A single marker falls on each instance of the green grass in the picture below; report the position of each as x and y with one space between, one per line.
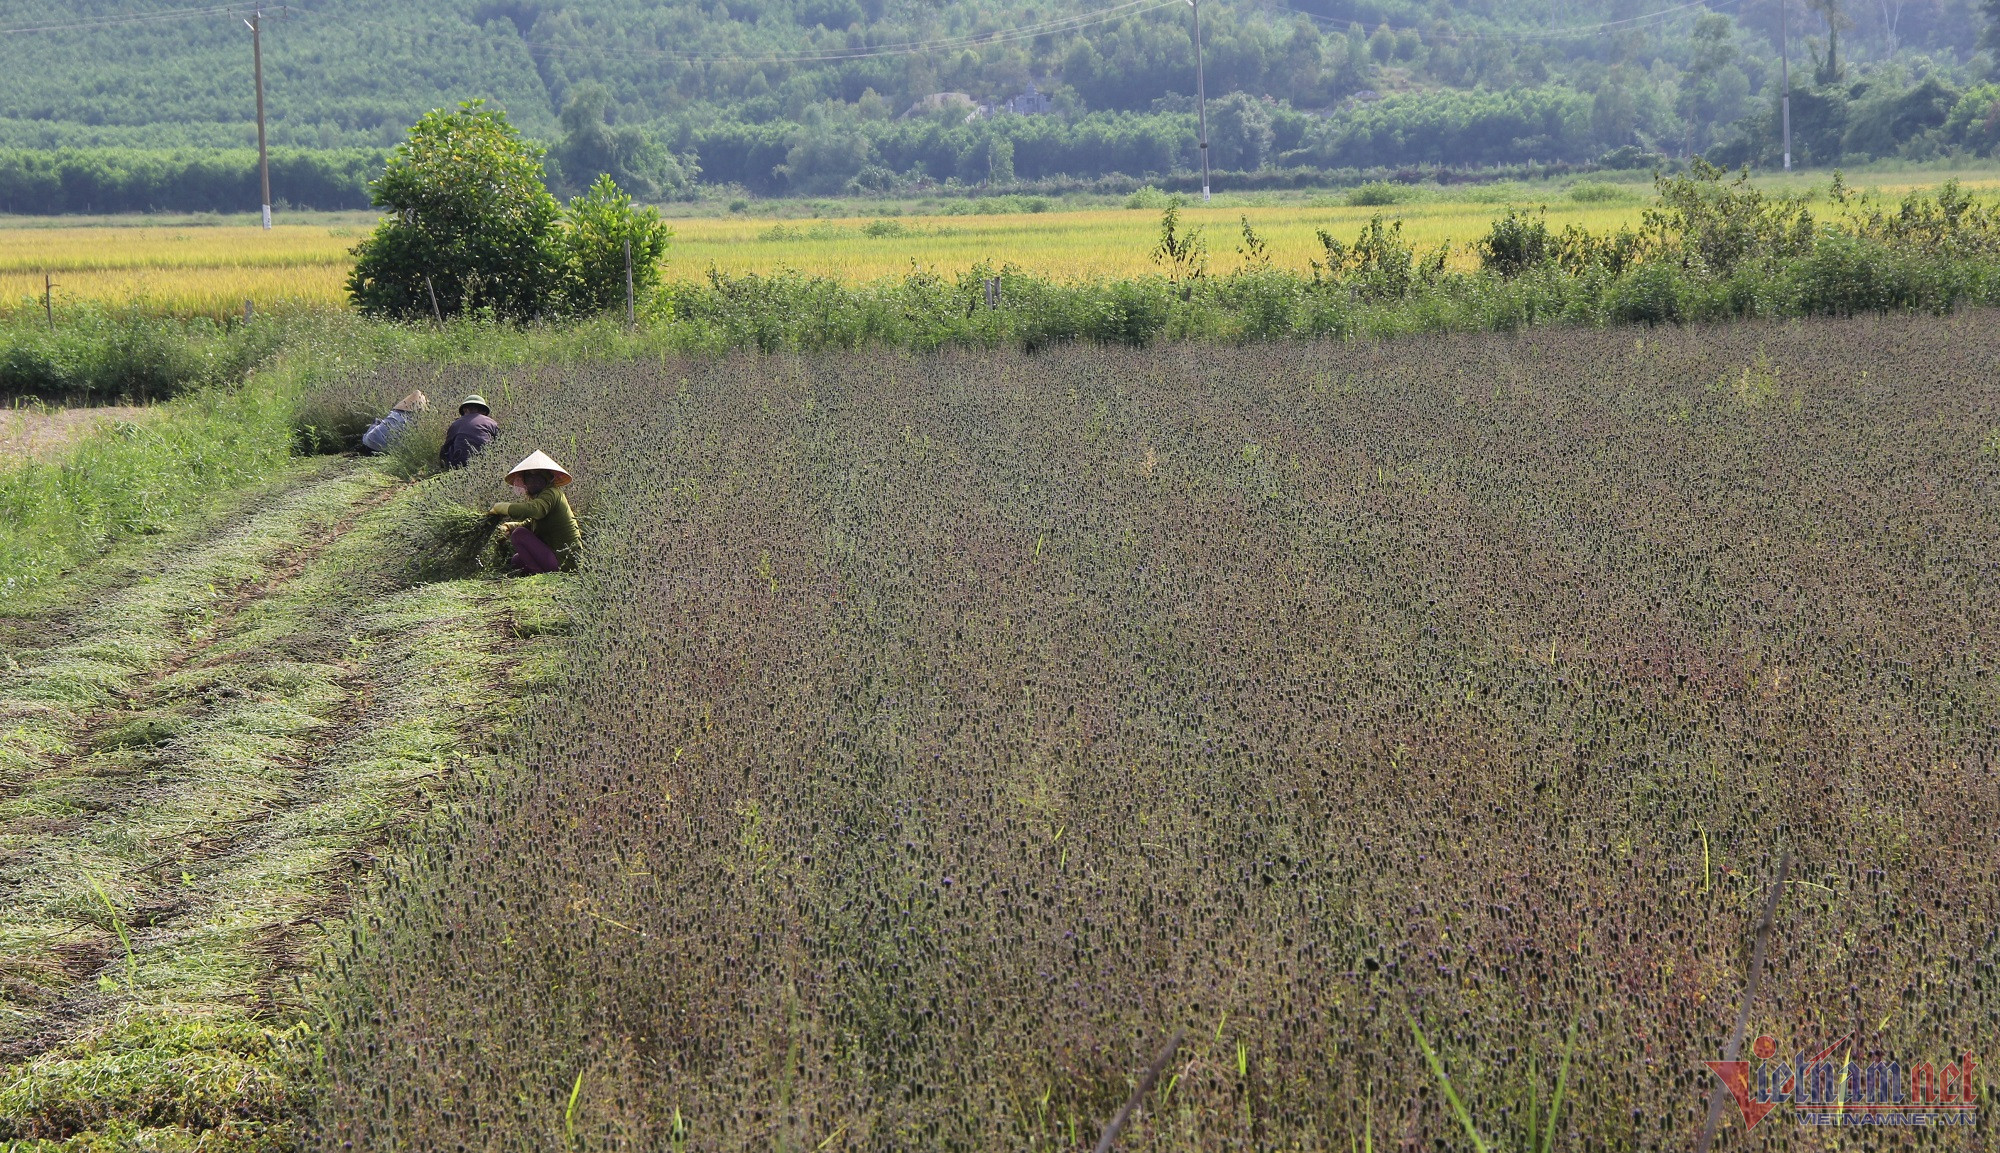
1537 1140
135 480
194 777
209 455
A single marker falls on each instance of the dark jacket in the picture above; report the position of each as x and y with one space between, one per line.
549 518
468 434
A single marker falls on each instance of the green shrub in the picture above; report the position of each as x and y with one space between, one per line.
1600 192
1377 195
1845 275
598 227
1130 312
1650 294
95 356
470 225
1516 243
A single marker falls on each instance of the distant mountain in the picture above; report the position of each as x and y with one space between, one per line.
735 87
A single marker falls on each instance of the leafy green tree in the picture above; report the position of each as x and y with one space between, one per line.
1302 60
1000 160
1827 69
1894 116
1614 111
1359 67
596 228
1382 45
823 158
468 219
592 146
1715 88
1240 131
1974 122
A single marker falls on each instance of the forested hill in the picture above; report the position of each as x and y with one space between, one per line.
814 95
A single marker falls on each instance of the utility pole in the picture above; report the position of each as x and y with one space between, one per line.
1201 98
256 23
1785 79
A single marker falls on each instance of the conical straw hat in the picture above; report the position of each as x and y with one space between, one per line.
415 402
539 459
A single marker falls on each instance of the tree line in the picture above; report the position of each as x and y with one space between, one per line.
1448 102
113 180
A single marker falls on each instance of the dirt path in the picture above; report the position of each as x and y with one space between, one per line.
36 433
193 775
24 633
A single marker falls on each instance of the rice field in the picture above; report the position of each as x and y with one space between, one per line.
1071 245
210 265
213 268
187 267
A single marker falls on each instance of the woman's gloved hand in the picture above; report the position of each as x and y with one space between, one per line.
499 509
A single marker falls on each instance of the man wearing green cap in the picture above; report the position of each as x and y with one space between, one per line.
474 429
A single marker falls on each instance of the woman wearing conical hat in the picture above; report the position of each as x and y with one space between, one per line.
546 539
384 432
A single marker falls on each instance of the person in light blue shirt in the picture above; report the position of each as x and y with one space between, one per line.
384 432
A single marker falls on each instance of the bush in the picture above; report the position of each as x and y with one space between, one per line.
1650 294
1377 195
1131 313
100 357
1600 192
470 225
598 227
473 229
1515 244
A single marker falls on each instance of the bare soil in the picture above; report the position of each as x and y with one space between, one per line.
35 433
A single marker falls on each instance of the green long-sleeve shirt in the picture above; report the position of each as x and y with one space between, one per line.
550 518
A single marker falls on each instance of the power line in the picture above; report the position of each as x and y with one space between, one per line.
906 48
145 18
1607 27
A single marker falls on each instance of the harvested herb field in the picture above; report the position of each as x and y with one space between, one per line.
941 734
199 758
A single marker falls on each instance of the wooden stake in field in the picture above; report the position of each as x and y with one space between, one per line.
1735 1048
248 310
49 299
631 312
437 313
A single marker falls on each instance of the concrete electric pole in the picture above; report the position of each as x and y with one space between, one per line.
256 23
1201 98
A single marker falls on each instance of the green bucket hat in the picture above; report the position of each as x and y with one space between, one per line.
475 401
